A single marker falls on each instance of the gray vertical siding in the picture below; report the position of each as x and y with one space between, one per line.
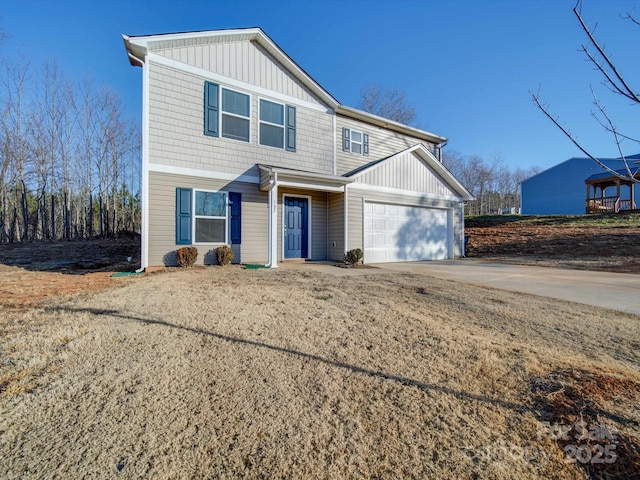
382 143
244 61
407 172
176 131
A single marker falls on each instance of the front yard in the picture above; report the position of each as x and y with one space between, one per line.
231 373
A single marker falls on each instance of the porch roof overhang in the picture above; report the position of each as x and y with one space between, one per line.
607 179
287 177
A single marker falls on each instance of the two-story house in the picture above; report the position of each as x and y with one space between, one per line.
241 146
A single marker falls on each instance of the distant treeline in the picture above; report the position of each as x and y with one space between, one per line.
495 186
69 157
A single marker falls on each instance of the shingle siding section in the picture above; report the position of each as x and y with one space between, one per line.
176 131
382 143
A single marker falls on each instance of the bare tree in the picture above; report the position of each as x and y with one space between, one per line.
495 186
388 103
615 82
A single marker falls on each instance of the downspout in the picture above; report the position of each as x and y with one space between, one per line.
273 221
144 184
440 147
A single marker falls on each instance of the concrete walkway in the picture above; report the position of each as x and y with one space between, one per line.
617 291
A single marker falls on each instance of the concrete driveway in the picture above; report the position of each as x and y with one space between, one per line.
618 291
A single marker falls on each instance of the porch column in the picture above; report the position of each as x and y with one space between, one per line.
273 223
588 205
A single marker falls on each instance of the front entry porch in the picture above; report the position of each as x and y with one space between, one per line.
299 193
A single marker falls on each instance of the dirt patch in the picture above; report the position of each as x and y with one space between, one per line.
588 243
36 272
580 407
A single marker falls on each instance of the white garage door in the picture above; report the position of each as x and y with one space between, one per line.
395 233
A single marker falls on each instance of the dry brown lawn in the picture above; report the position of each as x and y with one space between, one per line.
231 373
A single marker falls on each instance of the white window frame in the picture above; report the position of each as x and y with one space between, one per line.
361 142
196 216
222 113
284 121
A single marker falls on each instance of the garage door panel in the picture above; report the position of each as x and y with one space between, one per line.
394 233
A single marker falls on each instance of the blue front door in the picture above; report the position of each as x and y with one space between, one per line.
296 240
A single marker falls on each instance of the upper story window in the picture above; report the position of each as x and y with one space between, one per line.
277 125
355 141
234 114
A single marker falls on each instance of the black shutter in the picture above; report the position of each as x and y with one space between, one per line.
211 109
365 144
346 144
290 132
235 199
183 216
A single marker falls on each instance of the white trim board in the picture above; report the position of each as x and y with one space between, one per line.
408 193
224 80
194 172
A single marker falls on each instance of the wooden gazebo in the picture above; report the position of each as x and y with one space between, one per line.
599 200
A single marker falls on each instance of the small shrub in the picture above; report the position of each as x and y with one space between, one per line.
186 256
353 257
225 255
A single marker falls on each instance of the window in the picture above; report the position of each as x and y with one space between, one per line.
355 141
210 214
271 124
230 109
235 115
214 222
274 117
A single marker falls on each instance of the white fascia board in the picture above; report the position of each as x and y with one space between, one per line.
228 81
144 40
297 174
399 191
430 160
194 172
310 186
390 124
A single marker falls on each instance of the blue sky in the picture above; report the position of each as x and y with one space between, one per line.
467 65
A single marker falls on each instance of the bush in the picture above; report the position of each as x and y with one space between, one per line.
225 255
353 257
186 256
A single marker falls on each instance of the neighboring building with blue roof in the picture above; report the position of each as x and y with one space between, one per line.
561 189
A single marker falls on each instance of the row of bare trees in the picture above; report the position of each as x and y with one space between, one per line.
69 157
495 186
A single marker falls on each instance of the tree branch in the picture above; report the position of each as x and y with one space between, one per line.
544 109
621 85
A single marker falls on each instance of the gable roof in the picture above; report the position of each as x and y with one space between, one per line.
427 158
614 163
389 124
138 47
